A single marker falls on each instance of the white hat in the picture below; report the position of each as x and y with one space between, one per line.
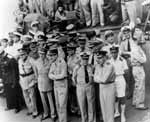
34 23
125 28
17 33
40 33
70 27
26 36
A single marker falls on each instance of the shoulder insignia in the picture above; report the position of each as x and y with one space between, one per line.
120 58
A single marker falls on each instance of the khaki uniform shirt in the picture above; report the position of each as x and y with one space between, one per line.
25 67
42 68
79 75
58 73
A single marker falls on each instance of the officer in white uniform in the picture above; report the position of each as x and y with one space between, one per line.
120 65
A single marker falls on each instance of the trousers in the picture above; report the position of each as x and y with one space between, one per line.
61 96
85 11
44 95
30 100
86 94
139 88
129 9
48 7
97 12
107 101
34 6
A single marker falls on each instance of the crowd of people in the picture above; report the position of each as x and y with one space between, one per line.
84 73
81 13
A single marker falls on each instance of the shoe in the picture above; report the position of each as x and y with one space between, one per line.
142 108
28 113
7 109
34 116
54 118
116 115
17 111
44 118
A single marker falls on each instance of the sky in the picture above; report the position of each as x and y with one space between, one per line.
7 22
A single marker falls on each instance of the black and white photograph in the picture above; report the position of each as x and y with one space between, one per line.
74 60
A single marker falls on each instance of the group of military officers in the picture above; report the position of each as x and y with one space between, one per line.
71 69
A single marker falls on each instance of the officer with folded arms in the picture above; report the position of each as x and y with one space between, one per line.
58 73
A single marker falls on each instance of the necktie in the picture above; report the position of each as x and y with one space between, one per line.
92 62
86 74
129 46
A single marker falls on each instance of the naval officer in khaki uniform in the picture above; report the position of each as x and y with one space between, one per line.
83 78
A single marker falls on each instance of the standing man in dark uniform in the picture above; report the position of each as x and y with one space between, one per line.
10 76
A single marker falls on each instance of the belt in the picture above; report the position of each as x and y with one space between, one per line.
27 74
128 0
106 83
62 79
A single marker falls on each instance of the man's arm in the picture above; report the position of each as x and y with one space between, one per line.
63 73
96 74
74 76
51 72
109 74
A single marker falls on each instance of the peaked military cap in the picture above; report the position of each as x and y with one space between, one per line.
114 48
108 33
84 55
17 34
34 23
101 53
